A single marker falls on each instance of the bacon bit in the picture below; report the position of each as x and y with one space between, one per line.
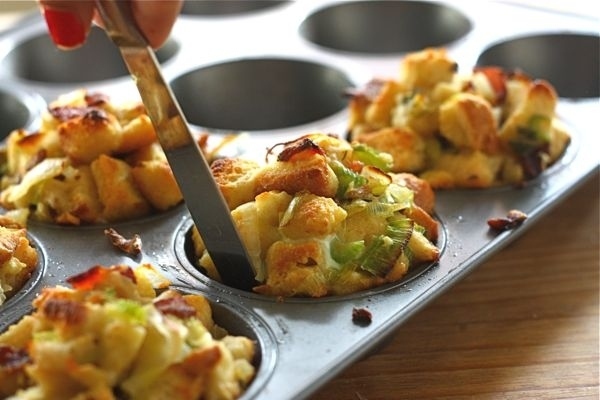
298 147
533 162
67 113
369 92
65 310
89 279
497 78
361 316
95 99
131 246
176 306
514 218
126 271
12 358
95 115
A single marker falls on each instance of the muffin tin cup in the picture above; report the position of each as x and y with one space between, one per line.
239 321
229 65
19 303
185 255
19 108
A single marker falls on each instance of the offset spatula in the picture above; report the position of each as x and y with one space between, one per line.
202 196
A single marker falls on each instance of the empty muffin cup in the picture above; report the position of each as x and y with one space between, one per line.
569 61
384 27
230 7
18 109
260 94
37 59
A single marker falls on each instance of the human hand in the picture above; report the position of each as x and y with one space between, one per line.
69 21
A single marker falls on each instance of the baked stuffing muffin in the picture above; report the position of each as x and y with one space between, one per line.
91 161
485 128
111 336
18 257
325 218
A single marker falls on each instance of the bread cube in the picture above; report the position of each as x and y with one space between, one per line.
73 199
311 174
95 127
309 216
529 126
424 69
405 146
235 177
469 169
120 198
295 269
468 122
136 134
156 182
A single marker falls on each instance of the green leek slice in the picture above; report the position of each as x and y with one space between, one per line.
347 179
533 136
379 257
370 156
346 252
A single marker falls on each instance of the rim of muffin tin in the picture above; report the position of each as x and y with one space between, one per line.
24 107
184 253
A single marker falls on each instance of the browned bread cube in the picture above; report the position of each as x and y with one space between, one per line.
120 197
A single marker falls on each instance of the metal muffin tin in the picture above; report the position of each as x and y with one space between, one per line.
277 70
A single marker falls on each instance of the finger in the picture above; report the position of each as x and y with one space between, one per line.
68 21
155 18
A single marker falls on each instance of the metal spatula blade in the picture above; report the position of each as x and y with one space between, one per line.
202 196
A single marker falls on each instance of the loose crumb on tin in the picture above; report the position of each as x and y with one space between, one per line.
132 246
361 316
513 219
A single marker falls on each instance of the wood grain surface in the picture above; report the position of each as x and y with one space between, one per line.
523 325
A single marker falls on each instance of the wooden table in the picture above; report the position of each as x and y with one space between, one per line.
523 325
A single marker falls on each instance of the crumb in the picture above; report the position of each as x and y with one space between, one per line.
131 246
361 316
513 219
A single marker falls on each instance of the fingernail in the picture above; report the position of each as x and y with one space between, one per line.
65 28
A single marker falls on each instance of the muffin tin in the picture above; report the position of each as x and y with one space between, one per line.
275 70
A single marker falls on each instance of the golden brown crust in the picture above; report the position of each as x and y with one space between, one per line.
117 191
82 129
18 258
467 121
320 223
150 175
84 138
307 174
482 128
406 147
295 269
313 217
111 334
236 179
